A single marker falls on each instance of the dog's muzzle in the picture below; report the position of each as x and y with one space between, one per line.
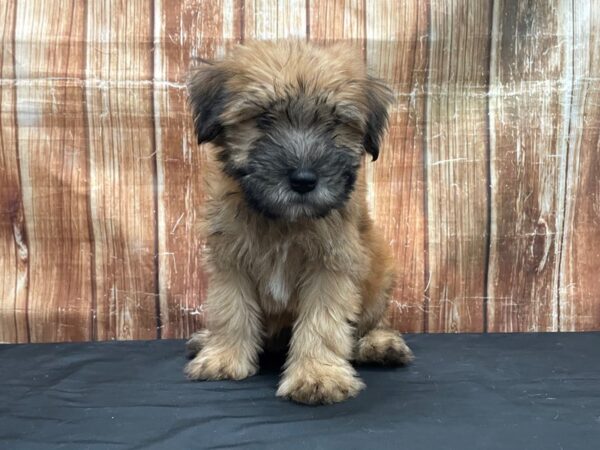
303 180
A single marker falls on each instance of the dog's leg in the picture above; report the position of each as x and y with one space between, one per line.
232 341
317 369
377 342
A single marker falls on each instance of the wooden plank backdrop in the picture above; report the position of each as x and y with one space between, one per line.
487 187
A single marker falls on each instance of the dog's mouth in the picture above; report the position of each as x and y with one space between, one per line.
282 203
306 208
295 207
302 191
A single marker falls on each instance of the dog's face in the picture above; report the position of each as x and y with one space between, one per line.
290 122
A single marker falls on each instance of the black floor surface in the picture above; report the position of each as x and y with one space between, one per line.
520 391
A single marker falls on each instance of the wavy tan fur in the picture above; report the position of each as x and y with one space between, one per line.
329 278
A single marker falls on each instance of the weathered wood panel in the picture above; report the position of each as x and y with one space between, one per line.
530 87
53 168
456 155
193 30
486 186
119 67
396 39
13 237
338 20
580 274
275 19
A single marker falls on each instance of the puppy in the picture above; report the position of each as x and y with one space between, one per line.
290 243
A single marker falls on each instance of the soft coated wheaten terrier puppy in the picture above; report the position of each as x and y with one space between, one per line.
289 237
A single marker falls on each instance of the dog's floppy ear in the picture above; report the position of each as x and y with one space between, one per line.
379 99
207 96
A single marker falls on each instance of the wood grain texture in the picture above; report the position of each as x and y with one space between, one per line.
397 52
486 187
13 236
119 67
275 19
580 267
457 163
193 30
53 167
338 20
530 88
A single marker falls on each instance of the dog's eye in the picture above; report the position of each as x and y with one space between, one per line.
265 120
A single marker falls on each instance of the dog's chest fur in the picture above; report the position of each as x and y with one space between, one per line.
279 258
277 275
279 283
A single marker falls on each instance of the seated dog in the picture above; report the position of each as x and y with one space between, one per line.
290 243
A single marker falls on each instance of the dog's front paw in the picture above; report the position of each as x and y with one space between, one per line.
211 364
383 346
320 384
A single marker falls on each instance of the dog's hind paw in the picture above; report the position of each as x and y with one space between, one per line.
383 346
196 342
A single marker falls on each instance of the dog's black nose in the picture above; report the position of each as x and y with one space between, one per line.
303 180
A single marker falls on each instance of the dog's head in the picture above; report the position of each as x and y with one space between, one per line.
290 122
